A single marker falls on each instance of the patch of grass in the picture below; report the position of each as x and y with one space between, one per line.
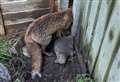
17 64
83 78
4 44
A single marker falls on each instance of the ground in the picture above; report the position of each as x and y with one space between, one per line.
20 68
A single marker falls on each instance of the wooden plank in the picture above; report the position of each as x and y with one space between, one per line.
78 7
95 7
2 30
17 26
76 15
99 33
17 30
52 5
17 22
86 14
85 17
11 1
29 13
21 6
110 45
114 75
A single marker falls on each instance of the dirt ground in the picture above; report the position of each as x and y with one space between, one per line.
20 68
54 72
51 72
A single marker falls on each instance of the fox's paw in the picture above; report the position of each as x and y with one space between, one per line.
36 73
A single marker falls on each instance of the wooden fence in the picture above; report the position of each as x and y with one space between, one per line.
17 14
99 24
96 22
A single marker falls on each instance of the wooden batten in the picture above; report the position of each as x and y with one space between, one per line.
2 29
52 6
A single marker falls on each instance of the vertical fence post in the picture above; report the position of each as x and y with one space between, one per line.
77 10
52 6
63 5
2 29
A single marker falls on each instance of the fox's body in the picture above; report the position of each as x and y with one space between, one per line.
40 32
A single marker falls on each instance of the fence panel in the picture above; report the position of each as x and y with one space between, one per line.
18 14
114 74
100 30
110 46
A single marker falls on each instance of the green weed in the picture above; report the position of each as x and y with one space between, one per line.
83 78
4 53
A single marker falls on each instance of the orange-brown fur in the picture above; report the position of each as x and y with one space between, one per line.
41 30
